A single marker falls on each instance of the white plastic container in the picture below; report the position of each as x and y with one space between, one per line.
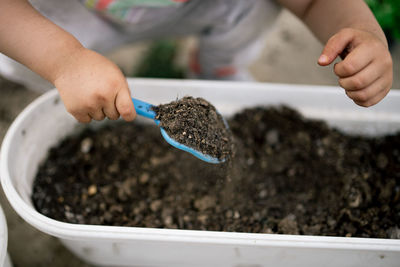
43 123
4 257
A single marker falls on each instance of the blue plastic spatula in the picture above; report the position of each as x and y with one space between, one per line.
145 109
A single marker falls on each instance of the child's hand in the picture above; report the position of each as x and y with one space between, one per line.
366 72
92 87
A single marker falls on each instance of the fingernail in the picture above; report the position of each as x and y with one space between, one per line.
323 59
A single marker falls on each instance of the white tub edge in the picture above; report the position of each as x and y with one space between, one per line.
69 231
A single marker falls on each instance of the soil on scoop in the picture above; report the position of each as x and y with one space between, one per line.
292 176
196 123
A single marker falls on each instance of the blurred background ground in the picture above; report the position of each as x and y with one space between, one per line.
289 56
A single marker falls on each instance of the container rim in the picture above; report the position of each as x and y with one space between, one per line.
77 231
3 236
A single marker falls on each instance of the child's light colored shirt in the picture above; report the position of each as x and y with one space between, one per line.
133 11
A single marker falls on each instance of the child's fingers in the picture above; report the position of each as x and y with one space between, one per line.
82 117
335 46
124 105
370 95
110 111
354 62
360 80
376 99
97 114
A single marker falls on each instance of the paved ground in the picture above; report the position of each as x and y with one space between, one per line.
289 56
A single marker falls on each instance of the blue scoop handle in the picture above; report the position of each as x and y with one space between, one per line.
144 109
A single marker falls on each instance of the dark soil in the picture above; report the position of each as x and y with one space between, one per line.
196 123
292 176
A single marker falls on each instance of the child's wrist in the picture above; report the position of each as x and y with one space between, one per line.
68 56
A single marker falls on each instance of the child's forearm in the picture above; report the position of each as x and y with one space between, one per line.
31 39
91 86
327 17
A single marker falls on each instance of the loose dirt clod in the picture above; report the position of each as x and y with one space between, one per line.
292 176
196 123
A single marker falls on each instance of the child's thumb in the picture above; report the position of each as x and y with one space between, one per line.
124 105
334 47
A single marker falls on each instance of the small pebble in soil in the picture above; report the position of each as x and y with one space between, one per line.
86 145
196 123
92 190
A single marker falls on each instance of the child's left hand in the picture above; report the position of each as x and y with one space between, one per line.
366 72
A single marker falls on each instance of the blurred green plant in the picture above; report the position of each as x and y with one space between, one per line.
159 61
387 13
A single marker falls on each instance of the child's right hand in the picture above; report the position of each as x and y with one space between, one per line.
92 87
